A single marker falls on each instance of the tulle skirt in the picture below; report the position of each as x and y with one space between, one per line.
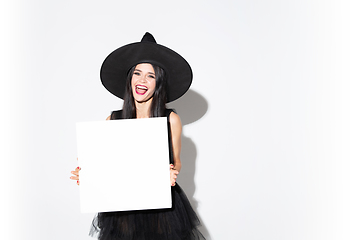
177 223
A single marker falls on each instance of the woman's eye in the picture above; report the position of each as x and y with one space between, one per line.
137 73
151 76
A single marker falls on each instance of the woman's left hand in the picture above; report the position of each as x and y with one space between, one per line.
173 175
76 175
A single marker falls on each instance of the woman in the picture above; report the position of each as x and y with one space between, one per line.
146 76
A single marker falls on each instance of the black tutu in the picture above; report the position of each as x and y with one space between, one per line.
177 223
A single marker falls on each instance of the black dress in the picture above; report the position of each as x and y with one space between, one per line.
177 223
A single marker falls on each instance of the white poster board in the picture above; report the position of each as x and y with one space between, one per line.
124 165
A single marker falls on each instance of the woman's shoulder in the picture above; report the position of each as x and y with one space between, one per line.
168 111
174 118
116 114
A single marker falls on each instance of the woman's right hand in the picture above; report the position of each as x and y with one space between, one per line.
76 175
173 175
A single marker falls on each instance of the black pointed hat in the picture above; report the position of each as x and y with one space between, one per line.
116 66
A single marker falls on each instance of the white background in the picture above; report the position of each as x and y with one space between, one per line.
271 124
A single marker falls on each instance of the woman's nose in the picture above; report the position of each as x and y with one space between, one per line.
143 79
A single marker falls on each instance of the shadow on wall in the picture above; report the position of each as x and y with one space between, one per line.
191 107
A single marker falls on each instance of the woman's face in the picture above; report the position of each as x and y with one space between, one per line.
143 82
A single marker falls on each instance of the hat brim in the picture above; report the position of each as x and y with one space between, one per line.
116 66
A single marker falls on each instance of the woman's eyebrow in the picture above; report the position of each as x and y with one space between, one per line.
141 71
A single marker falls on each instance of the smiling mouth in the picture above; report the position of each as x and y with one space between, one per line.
141 89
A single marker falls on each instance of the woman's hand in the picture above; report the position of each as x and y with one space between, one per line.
173 175
76 173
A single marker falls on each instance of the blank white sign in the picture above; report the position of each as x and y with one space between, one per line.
124 165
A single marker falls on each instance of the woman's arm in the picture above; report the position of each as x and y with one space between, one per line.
176 129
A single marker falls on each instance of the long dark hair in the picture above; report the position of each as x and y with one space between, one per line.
157 108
